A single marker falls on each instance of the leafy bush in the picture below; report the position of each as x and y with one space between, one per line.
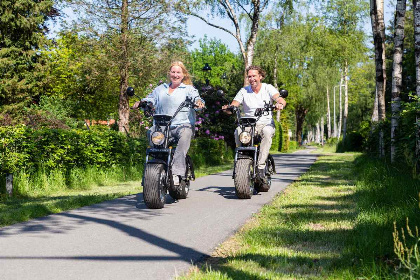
50 149
352 143
209 152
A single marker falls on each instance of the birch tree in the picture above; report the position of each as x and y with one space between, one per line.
234 11
378 30
124 20
399 22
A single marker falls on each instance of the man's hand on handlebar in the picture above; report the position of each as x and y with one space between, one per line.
279 106
228 109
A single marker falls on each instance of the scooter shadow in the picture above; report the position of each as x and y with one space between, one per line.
225 192
141 205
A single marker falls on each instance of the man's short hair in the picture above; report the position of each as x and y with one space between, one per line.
259 69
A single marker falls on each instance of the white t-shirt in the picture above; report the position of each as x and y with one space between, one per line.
251 100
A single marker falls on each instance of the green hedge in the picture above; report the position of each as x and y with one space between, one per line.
209 152
25 148
36 156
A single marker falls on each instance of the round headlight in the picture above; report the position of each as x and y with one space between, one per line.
157 138
245 137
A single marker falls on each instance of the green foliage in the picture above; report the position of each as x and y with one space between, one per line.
221 60
385 194
407 249
51 149
353 142
209 152
405 140
22 66
13 143
278 139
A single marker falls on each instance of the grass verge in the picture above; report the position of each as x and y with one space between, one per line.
333 223
92 188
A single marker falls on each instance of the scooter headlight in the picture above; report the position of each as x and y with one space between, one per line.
157 138
245 137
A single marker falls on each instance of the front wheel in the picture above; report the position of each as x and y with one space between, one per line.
154 191
244 183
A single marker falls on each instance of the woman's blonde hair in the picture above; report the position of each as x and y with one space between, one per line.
187 79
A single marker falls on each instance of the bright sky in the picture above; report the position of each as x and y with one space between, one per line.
198 28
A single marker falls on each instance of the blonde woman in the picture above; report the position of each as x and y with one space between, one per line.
166 98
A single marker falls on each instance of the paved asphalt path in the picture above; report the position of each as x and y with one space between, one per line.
122 239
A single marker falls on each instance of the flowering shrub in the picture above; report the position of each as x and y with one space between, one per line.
212 123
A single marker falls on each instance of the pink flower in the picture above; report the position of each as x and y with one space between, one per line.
196 129
207 132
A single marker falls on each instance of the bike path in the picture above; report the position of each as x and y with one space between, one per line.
122 239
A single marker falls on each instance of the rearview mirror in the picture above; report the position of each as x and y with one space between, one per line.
130 91
284 93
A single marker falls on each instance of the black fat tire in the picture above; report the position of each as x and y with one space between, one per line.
154 186
244 184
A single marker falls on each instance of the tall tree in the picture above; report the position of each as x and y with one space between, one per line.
235 10
397 70
345 18
22 30
124 20
378 30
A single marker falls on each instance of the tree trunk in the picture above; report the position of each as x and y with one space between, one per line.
250 45
318 133
328 115
275 81
378 30
123 108
416 8
300 118
322 130
340 120
346 99
335 117
399 23
375 108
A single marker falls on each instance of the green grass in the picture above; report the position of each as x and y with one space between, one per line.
336 222
45 194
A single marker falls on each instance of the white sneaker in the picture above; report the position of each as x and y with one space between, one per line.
176 180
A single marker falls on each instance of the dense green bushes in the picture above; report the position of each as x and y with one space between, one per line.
209 152
47 160
29 149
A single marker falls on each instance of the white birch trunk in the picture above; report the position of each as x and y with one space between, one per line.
399 23
335 117
328 115
322 130
346 100
340 120
318 133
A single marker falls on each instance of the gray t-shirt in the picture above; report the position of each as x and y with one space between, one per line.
251 100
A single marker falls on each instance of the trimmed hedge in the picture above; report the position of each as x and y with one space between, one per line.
25 148
72 154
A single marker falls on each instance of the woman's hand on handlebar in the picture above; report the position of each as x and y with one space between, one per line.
199 104
136 105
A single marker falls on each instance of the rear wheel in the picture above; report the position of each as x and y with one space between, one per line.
182 190
154 191
244 183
